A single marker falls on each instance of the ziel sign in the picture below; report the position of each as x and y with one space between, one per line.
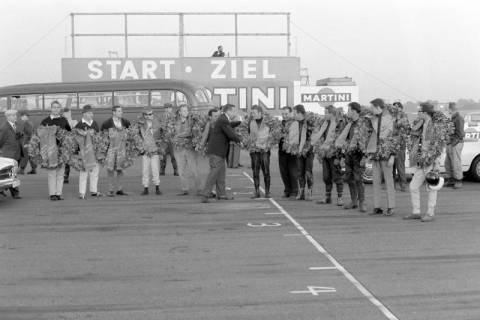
267 81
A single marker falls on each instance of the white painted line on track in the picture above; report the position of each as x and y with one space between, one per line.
386 312
322 268
273 213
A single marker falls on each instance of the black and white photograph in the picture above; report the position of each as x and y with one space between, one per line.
240 160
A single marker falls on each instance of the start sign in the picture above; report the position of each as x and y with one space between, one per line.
267 81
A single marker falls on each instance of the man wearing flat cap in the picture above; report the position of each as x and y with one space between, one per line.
149 129
11 143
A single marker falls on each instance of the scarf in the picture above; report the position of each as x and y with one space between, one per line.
297 138
330 135
318 134
342 138
149 144
426 133
87 153
48 146
259 135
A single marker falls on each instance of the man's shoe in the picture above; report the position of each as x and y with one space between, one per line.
111 194
212 195
267 195
286 195
183 193
225 198
158 192
449 183
389 212
351 205
205 199
81 196
175 173
32 172
59 197
144 192
65 181
53 198
256 195
327 200
458 184
96 194
121 193
376 211
412 216
362 206
16 196
427 218
340 202
162 173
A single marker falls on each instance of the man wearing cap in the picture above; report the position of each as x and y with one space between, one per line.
453 160
56 175
149 129
11 143
387 124
25 126
114 126
429 136
170 151
88 126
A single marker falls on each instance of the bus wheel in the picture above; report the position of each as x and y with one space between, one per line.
475 169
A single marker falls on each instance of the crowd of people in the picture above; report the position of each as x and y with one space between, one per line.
343 143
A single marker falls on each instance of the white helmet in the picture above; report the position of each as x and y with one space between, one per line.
434 181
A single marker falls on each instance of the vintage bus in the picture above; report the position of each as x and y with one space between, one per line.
132 95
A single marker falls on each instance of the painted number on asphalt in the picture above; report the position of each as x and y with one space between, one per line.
260 225
316 290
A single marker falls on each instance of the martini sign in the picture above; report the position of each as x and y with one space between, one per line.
316 98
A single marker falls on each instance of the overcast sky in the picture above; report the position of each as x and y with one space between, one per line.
405 49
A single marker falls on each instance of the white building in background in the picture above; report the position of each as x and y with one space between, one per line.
329 91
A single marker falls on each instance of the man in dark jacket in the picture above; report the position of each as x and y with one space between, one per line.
287 162
56 176
116 121
170 150
25 126
453 160
217 148
11 143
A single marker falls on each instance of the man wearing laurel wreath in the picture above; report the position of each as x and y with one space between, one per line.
85 129
116 154
259 150
48 135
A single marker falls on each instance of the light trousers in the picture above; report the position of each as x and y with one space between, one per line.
379 168
188 161
150 169
55 180
417 181
453 161
83 177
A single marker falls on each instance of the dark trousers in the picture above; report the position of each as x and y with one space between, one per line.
168 152
332 173
399 167
25 160
261 160
288 171
216 176
66 174
354 176
305 170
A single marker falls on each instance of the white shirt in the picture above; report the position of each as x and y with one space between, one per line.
13 125
117 122
89 123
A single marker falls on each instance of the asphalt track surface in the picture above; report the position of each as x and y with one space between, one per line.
172 257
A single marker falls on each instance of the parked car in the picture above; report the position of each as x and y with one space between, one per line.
8 174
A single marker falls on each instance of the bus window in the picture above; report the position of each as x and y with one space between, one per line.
95 99
181 98
202 96
131 98
3 104
67 100
161 97
26 102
